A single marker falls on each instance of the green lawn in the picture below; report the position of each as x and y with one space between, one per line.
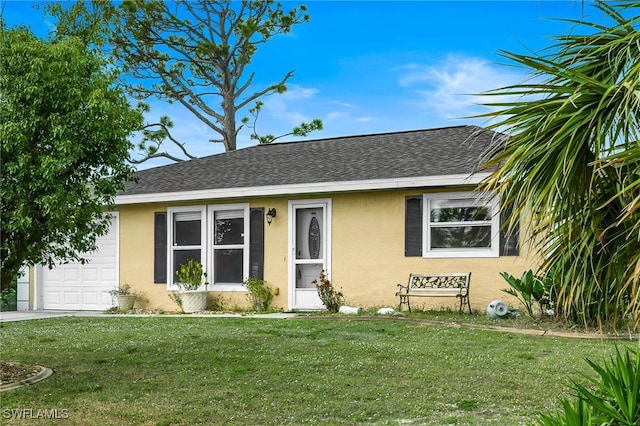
184 370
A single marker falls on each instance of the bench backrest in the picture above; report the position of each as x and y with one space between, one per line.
439 281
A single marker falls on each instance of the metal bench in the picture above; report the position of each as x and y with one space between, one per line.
436 285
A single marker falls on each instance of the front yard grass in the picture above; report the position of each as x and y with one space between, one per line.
197 370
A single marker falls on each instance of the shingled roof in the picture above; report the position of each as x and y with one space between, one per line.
419 153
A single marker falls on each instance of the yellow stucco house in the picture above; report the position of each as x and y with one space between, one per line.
367 209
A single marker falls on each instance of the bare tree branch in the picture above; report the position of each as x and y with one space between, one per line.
156 138
195 53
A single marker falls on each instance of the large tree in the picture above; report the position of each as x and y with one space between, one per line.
571 165
64 132
196 53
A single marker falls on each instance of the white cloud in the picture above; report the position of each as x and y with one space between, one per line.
283 111
277 110
410 66
345 104
451 87
334 115
298 92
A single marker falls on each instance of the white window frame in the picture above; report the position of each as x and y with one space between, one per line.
479 199
212 209
203 240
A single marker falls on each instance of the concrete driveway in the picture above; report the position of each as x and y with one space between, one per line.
33 315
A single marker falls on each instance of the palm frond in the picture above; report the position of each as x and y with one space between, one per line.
572 161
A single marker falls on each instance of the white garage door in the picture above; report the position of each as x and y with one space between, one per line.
74 286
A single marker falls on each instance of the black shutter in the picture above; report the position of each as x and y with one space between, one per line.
413 226
160 248
509 235
256 243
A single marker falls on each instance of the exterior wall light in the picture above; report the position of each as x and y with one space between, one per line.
270 215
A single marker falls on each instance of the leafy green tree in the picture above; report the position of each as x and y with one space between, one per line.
195 53
571 164
64 132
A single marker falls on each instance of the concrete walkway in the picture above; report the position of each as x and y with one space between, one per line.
43 314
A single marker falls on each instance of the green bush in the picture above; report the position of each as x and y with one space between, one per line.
613 397
260 294
8 299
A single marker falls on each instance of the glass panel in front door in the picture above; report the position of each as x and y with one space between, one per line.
306 273
309 234
310 243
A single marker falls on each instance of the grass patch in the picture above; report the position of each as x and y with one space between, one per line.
177 370
521 321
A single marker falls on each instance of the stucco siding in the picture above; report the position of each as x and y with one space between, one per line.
136 255
367 258
369 261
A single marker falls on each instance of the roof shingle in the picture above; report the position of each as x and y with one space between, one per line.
432 152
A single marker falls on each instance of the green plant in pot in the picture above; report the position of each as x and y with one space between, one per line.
125 296
190 277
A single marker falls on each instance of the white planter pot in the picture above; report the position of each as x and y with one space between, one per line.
193 300
126 301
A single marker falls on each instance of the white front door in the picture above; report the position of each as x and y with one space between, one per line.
85 287
310 250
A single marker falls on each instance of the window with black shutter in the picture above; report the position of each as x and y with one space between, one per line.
509 235
228 239
413 226
256 243
160 248
458 224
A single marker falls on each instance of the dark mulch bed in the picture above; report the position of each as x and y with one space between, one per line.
12 372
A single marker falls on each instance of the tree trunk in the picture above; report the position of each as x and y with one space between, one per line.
229 116
6 278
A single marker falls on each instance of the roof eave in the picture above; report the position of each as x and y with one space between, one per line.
303 188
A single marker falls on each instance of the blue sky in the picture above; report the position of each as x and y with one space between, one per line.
380 66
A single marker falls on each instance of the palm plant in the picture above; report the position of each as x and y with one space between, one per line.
529 289
571 162
611 397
